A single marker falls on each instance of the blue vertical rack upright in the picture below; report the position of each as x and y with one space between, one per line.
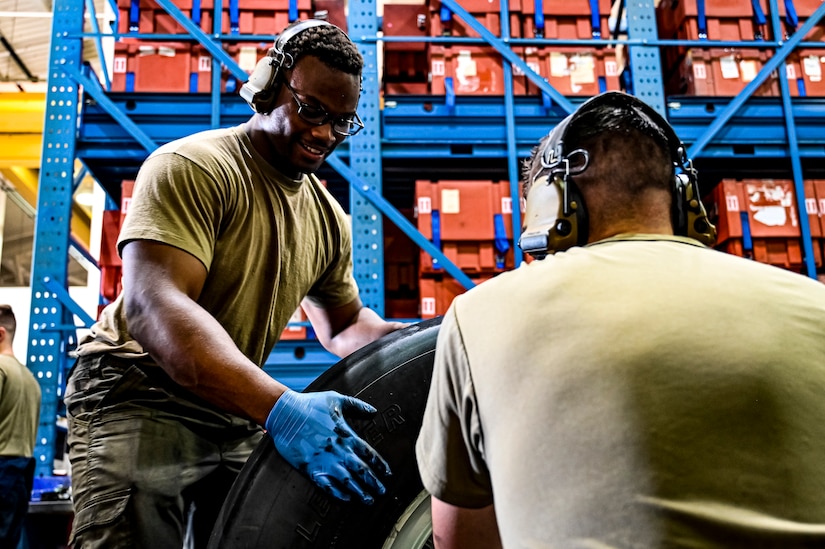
114 129
52 320
365 161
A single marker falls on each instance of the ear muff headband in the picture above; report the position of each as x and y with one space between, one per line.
570 226
262 88
555 218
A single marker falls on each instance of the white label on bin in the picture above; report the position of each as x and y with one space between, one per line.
771 202
119 65
582 70
425 205
466 65
438 67
822 205
611 68
749 70
732 202
730 70
248 58
205 63
166 51
506 205
813 68
810 206
790 71
450 201
427 306
124 205
700 71
558 64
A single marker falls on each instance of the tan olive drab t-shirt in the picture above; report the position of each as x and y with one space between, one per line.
642 391
267 241
19 408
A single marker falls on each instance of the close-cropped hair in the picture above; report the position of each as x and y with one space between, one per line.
532 165
329 44
625 147
7 319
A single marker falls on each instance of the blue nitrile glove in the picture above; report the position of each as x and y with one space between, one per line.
310 432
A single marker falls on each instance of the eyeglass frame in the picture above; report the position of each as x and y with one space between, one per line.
357 122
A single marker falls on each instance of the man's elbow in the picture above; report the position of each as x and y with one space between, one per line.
136 315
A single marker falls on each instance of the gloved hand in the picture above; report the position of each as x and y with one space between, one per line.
310 432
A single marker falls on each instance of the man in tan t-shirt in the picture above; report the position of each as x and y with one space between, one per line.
635 388
19 414
228 232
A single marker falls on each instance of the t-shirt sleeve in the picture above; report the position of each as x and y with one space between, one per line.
177 203
449 448
336 286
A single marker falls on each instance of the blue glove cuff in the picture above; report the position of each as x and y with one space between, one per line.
286 418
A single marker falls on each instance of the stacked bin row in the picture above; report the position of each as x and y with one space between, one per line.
725 71
461 69
185 66
409 67
419 68
759 219
470 222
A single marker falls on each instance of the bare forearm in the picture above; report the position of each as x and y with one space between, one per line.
366 327
198 354
460 527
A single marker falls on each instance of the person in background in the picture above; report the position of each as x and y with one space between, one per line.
19 417
634 388
228 232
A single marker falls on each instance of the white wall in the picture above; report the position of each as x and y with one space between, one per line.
87 296
20 300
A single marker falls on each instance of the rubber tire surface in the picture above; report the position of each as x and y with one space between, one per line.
272 505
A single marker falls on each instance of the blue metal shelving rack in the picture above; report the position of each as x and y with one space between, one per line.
52 321
114 132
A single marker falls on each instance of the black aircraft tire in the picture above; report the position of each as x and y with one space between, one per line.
273 506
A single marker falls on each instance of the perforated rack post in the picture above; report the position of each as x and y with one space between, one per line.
51 319
365 160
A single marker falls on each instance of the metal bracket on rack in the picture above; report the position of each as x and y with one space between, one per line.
645 61
63 297
90 87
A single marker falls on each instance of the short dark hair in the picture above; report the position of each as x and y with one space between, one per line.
330 44
7 319
529 168
626 146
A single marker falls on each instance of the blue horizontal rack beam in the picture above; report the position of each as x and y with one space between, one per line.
464 40
296 363
425 127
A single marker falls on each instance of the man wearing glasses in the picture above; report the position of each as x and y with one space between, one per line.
228 232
